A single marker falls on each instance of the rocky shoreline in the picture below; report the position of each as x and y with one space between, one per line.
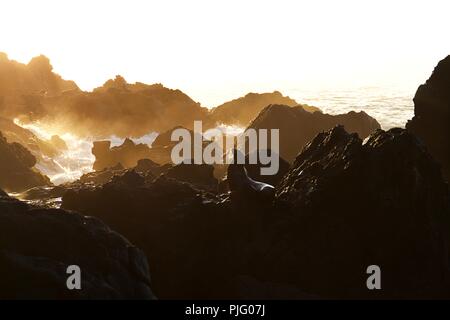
348 195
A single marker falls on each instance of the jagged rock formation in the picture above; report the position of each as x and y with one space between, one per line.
122 109
161 149
164 139
128 154
34 92
102 176
341 207
36 77
162 146
243 110
297 126
431 122
16 168
37 246
23 85
147 165
349 205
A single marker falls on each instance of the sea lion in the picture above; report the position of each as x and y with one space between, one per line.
239 182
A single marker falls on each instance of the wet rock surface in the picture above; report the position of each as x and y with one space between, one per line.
431 122
37 245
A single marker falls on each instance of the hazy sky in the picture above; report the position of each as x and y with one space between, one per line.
215 50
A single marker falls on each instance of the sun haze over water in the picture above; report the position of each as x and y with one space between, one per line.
218 50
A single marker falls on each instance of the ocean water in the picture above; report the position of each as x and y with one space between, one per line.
391 106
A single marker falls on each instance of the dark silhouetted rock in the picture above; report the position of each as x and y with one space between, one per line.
198 244
243 110
145 166
38 245
129 179
102 176
347 206
128 154
297 126
16 168
431 122
165 216
200 175
161 149
341 207
164 139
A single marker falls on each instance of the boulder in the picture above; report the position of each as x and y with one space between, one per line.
16 168
298 126
178 227
128 154
242 111
431 121
38 245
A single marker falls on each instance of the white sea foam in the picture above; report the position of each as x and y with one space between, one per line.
78 159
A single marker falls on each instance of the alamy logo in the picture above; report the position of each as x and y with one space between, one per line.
257 142
74 280
374 280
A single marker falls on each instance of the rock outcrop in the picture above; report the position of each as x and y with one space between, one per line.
35 78
128 154
297 127
243 110
342 206
38 245
431 122
164 218
200 175
34 92
24 86
348 205
122 109
16 168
